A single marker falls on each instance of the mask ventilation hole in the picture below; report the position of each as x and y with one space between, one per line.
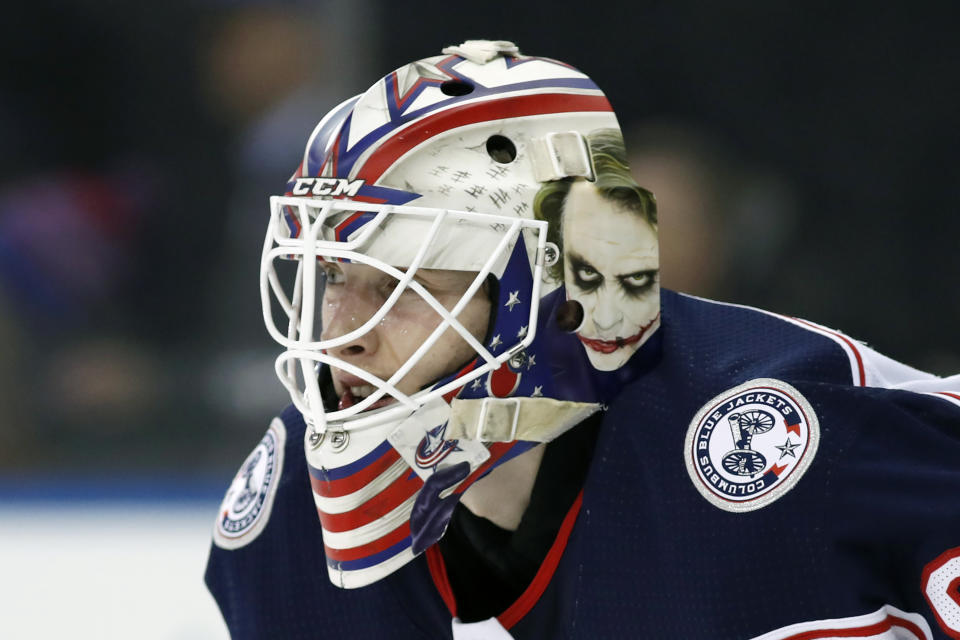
569 316
501 149
456 88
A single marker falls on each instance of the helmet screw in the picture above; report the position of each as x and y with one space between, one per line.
551 253
315 438
518 360
339 441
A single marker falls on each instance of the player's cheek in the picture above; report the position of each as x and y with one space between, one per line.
476 315
410 310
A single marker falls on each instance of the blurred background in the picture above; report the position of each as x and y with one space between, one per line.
801 153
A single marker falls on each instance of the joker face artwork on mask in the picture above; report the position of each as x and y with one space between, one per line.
610 268
606 229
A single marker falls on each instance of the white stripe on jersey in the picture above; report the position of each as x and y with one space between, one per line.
887 623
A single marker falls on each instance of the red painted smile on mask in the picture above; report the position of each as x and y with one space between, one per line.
609 346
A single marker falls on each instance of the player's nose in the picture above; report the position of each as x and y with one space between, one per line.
345 314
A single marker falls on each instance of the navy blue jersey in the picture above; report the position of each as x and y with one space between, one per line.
767 478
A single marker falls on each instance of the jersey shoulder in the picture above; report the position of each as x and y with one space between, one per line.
745 342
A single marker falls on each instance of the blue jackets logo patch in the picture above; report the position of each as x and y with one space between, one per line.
246 506
750 445
433 448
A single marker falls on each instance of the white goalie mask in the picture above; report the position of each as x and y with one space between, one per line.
436 169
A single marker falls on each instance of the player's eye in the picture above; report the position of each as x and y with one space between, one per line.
386 286
332 274
434 284
638 282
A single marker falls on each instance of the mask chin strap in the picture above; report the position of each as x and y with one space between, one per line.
509 419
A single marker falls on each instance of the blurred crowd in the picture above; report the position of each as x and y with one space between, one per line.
139 151
139 148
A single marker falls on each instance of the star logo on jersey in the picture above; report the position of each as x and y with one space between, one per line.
787 449
513 301
733 447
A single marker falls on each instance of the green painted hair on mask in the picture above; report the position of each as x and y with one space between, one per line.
613 181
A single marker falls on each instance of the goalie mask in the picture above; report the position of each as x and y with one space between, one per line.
461 268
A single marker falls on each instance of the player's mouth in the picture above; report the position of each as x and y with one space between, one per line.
609 346
355 394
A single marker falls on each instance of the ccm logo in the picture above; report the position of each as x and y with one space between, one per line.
326 187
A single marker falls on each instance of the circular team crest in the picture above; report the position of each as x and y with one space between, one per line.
246 506
751 444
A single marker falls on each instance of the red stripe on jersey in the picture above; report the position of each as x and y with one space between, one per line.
364 550
861 632
376 507
948 394
532 594
438 571
856 352
514 107
356 481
